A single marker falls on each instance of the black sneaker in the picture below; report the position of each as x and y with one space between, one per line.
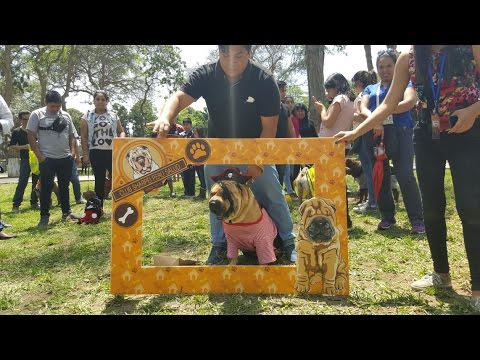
218 255
289 253
43 223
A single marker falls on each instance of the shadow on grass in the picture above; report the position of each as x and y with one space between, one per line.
118 305
239 304
90 254
458 304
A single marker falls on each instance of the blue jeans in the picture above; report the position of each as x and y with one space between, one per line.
461 151
286 179
75 182
22 184
268 192
403 170
366 149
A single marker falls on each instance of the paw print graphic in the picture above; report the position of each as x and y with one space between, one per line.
197 150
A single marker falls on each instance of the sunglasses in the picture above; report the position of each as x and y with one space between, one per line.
389 51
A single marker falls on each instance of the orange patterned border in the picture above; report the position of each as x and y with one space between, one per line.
128 276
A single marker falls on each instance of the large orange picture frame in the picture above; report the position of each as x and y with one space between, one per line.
164 157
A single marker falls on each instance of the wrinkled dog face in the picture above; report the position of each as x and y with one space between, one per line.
221 201
140 160
318 218
320 229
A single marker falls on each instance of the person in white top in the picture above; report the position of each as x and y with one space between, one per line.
98 128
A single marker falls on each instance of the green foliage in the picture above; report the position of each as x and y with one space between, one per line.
122 114
199 118
298 94
141 114
76 118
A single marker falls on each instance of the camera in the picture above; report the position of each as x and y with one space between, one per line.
59 124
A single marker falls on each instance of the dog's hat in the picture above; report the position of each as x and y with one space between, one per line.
233 174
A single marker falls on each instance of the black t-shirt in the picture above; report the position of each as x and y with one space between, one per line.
307 129
282 127
19 137
235 110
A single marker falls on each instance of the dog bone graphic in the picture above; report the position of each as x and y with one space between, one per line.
124 217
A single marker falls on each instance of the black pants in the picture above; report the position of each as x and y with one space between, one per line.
188 178
463 154
101 161
48 169
281 173
201 176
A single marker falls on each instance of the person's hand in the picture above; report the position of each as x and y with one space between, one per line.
378 132
345 136
161 127
86 159
318 104
254 171
465 121
41 159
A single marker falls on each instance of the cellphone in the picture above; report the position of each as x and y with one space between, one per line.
452 120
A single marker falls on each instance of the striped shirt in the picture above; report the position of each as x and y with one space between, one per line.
257 236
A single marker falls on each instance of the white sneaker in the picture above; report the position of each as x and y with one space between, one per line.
432 280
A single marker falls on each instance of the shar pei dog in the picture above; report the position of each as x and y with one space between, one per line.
247 226
141 162
318 248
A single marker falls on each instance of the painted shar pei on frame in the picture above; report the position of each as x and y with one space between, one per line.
318 248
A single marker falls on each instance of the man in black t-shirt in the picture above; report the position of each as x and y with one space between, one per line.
19 142
188 176
243 102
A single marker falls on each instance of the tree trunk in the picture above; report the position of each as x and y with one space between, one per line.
70 75
314 58
368 56
7 68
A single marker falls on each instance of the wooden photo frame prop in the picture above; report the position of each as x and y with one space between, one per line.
142 164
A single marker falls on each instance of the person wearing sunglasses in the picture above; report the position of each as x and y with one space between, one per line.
19 142
447 82
396 132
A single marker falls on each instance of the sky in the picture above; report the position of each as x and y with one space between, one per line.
347 64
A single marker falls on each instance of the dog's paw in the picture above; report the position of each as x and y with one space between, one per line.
329 290
302 287
340 283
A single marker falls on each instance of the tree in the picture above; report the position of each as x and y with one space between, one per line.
161 65
368 56
314 57
140 115
123 115
76 118
42 59
199 118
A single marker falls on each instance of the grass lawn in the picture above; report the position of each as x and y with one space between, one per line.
65 270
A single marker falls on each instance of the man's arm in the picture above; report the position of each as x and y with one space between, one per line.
173 106
32 140
14 143
290 129
269 126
